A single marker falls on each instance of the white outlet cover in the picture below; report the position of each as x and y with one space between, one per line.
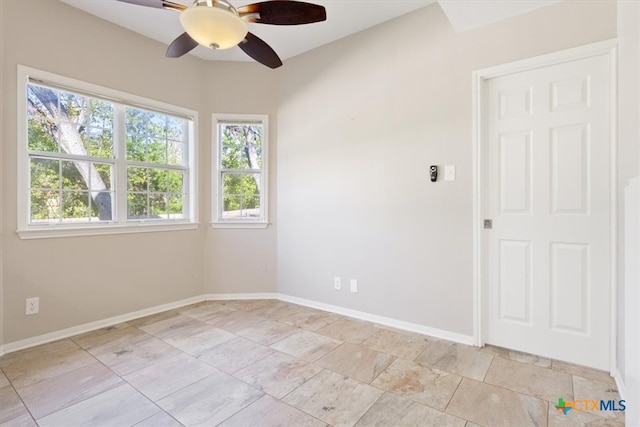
354 285
337 283
32 306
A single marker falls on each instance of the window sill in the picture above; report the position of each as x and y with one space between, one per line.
238 224
64 231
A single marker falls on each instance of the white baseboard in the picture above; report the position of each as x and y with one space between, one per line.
387 321
92 326
223 297
620 385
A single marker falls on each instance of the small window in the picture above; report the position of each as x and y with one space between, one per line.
98 165
240 180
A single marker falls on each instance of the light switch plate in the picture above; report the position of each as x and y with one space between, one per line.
450 173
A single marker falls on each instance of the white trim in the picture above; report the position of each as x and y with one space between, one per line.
99 324
608 48
227 297
142 227
22 167
88 327
613 213
29 231
92 326
622 390
581 52
193 160
386 321
225 224
216 203
477 97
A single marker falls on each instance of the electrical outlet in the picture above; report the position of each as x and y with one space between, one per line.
337 283
33 306
354 286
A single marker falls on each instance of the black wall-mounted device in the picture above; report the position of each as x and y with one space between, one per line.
433 170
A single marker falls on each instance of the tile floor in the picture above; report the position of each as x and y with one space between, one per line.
269 363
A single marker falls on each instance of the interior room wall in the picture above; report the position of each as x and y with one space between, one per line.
629 196
241 260
1 179
85 279
360 121
628 133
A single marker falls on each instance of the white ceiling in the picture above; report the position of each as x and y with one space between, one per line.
344 17
469 14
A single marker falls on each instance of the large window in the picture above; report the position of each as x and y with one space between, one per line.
240 179
97 160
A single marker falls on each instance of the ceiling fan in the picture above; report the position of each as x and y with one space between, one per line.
216 24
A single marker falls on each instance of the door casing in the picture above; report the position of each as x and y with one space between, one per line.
480 290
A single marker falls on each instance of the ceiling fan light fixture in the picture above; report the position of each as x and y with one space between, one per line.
215 24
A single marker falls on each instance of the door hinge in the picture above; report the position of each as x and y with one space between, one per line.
488 224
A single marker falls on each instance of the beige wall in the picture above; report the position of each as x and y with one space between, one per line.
85 279
360 121
242 260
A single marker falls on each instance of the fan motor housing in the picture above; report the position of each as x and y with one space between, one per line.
214 24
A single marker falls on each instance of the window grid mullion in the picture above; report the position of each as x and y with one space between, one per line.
60 191
221 194
186 177
70 157
90 191
241 170
156 166
120 146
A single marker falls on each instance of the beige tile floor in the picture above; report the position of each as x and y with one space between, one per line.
270 363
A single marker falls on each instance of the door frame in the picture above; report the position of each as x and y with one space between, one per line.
606 48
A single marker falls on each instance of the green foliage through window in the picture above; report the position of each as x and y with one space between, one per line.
241 164
73 161
155 144
76 187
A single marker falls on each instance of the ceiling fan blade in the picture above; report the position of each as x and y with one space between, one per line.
181 45
256 48
157 4
284 12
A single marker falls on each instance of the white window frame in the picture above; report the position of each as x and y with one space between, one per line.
121 224
217 221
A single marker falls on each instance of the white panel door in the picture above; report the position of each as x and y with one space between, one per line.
546 175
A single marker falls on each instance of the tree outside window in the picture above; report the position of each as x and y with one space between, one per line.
241 147
70 142
85 169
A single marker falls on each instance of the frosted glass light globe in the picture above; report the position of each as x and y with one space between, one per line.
213 27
